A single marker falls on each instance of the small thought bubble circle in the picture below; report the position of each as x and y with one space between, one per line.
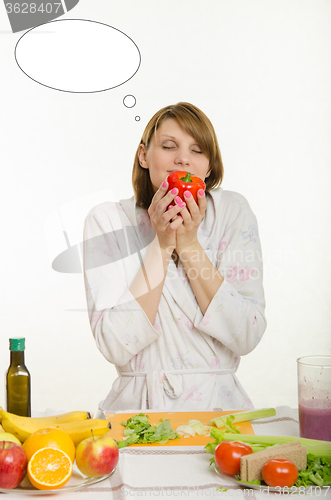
137 118
77 55
129 101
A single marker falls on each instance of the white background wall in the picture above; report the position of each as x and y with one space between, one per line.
260 69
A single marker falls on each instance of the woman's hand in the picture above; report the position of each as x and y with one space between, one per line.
164 220
192 215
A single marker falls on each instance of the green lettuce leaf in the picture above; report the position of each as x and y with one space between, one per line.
139 430
317 473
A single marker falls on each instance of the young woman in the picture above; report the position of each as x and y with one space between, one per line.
174 287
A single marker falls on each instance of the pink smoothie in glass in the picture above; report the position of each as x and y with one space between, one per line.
315 419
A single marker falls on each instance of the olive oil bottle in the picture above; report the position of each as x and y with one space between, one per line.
18 383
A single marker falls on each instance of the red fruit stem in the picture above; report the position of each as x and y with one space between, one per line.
187 178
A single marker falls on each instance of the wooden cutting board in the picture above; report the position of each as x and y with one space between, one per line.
176 419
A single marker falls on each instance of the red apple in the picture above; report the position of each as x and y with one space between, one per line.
97 456
13 464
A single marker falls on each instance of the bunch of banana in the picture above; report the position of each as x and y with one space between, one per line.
71 416
88 428
78 424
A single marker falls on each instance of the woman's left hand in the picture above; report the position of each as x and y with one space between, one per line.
192 215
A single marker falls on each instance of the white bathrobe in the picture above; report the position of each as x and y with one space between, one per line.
184 360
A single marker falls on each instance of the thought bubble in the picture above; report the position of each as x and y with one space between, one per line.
77 55
129 101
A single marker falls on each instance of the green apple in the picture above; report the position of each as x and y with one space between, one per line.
6 436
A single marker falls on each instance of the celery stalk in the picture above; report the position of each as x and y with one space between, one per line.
243 417
316 447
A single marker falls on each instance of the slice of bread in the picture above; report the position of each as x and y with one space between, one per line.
251 465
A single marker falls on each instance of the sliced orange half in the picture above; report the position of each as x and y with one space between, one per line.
49 469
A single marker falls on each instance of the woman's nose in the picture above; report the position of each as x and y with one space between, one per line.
182 158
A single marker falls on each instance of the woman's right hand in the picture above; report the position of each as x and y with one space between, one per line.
163 219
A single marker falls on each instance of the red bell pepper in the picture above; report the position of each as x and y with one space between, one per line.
184 181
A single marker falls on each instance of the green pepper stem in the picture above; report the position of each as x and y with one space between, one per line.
187 178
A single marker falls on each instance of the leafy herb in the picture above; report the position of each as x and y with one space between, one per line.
318 472
218 435
228 425
138 430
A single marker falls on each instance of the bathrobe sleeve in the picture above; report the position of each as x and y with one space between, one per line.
236 315
120 326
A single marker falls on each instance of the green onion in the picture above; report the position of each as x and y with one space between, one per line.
243 417
316 447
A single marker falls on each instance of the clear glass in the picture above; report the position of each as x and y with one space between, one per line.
18 386
76 482
314 391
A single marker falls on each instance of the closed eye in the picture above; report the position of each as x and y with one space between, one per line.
169 144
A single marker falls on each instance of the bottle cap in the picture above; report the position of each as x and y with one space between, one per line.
17 344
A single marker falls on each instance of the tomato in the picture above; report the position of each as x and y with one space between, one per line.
279 472
227 456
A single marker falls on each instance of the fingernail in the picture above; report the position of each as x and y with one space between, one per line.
181 204
201 192
170 206
174 191
164 184
187 194
178 200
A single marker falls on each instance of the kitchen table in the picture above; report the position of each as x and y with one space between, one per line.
178 471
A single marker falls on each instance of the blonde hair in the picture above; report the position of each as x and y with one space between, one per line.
196 124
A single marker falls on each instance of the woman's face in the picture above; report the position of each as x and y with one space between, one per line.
172 148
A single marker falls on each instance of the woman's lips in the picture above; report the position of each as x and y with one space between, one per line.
178 170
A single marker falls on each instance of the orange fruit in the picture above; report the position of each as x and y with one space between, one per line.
49 469
49 437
